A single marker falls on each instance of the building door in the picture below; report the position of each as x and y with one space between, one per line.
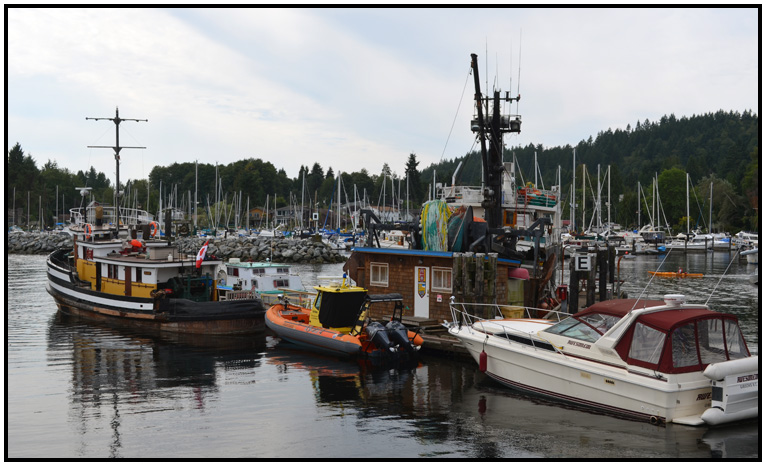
421 291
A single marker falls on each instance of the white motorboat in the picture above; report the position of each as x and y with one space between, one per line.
751 255
745 239
661 361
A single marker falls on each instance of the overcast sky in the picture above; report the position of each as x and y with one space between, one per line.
354 88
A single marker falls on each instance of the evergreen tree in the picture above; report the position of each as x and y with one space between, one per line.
413 180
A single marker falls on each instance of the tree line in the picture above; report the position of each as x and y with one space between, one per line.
719 148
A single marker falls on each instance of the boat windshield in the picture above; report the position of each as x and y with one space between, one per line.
588 328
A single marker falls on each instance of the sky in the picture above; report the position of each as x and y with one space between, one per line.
355 88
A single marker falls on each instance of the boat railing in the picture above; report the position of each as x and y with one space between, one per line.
83 215
461 194
300 298
468 314
236 295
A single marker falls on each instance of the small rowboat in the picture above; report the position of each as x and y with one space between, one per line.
676 274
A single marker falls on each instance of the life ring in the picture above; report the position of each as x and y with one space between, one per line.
153 228
88 230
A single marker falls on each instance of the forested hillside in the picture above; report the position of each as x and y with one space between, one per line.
722 148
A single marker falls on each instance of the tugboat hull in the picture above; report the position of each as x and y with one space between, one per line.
168 314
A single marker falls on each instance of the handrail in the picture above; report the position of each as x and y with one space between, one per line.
461 316
80 215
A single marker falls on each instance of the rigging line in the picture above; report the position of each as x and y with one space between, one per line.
456 114
724 274
667 254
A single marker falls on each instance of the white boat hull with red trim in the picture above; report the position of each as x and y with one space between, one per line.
634 366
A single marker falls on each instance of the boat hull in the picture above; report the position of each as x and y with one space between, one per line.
291 324
171 315
612 390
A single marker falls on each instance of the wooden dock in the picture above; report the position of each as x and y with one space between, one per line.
435 337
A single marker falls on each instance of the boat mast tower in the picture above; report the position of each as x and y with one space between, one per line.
492 157
117 120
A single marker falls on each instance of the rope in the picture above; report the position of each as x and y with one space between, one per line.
456 114
667 254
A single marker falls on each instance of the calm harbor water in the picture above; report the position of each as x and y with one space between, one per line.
78 390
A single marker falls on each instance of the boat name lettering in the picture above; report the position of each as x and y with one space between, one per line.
748 385
704 396
610 382
577 343
747 378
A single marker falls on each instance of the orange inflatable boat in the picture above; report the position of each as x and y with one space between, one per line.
338 324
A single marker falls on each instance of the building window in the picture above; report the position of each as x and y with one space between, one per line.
441 279
378 274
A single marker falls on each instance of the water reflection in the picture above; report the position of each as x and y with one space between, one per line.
117 371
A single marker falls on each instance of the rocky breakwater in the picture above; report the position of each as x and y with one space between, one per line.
301 251
287 250
36 242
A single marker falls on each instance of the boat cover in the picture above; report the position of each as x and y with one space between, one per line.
181 309
340 309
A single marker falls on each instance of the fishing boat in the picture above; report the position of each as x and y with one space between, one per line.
675 274
660 361
119 271
337 323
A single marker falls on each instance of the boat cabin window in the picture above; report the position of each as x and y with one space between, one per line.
735 343
684 346
283 270
647 344
281 283
233 271
601 322
710 341
259 271
589 329
255 283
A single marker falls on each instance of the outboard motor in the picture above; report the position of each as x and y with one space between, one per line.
397 332
379 336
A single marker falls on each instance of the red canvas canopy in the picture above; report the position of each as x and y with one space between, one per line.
673 340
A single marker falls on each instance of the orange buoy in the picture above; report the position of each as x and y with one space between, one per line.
88 230
153 228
